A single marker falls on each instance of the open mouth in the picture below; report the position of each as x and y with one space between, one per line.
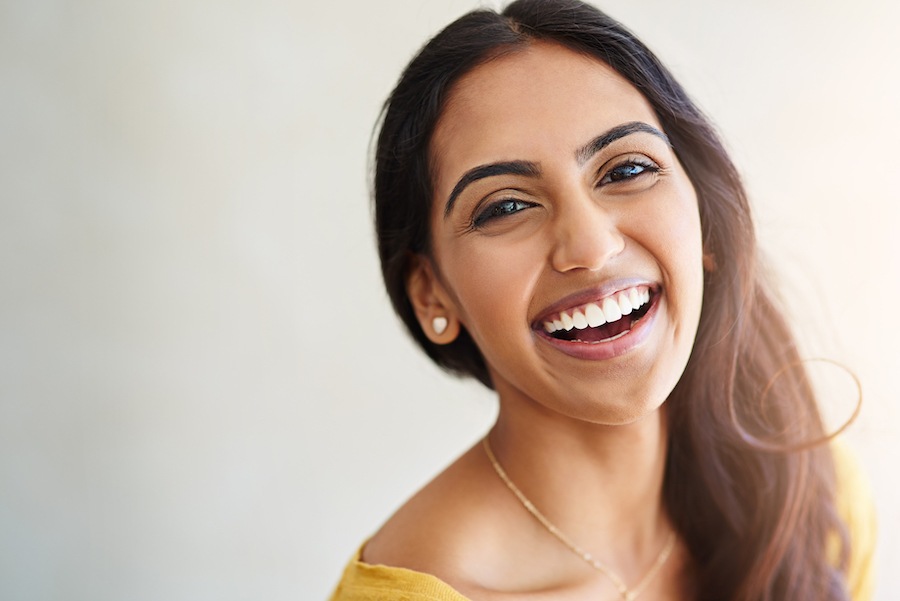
601 321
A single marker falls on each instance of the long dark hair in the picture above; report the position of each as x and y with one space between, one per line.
757 520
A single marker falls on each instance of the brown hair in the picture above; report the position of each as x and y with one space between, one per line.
757 521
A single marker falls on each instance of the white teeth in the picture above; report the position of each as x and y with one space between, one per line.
611 310
579 320
634 296
594 315
624 303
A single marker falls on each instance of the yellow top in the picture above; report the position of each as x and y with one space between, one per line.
856 508
365 582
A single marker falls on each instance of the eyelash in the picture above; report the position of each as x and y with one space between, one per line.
495 210
646 166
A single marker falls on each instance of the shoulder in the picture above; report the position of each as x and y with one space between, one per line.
446 527
857 509
465 530
417 553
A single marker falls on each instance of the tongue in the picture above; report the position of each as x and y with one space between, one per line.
597 334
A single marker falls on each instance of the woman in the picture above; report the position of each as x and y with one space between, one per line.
557 219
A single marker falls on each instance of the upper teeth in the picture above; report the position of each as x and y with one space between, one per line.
592 315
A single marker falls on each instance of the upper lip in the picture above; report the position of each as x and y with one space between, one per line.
589 295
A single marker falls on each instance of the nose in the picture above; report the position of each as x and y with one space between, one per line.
587 235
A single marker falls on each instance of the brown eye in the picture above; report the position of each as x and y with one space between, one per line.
628 170
501 208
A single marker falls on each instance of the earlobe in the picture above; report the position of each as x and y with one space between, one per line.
709 262
431 303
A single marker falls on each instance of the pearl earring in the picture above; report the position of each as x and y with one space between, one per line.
439 324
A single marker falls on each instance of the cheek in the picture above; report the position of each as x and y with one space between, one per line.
493 284
681 244
677 229
671 232
684 248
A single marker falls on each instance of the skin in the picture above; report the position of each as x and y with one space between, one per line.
584 438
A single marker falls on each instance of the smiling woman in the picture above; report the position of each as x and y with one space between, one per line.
596 208
557 219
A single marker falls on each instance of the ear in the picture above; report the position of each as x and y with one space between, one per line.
709 262
433 306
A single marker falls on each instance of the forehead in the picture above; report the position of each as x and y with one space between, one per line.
531 105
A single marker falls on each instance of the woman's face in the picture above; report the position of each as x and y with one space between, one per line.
566 237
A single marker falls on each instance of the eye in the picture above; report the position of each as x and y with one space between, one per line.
629 169
498 209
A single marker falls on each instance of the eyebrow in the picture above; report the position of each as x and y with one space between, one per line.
490 170
620 131
531 169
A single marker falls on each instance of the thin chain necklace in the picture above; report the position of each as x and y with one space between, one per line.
626 593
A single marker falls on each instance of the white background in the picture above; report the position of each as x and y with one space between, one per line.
203 391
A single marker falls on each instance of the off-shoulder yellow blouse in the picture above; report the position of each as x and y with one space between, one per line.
365 582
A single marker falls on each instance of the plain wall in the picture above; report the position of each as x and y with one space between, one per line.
203 391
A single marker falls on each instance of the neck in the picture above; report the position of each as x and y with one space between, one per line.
601 484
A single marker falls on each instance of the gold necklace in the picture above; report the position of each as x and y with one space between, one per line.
626 593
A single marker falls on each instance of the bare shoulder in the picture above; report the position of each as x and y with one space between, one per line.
466 528
442 524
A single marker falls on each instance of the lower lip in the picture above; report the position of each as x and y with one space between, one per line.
610 349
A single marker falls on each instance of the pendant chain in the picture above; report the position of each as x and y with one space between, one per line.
626 593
